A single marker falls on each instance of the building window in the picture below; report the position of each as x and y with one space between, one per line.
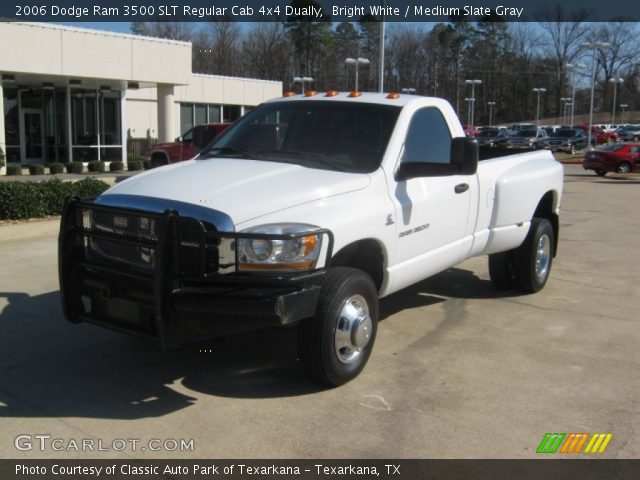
231 113
186 117
200 114
11 124
192 114
55 138
214 113
84 117
96 125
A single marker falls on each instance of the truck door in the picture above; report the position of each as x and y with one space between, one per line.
432 212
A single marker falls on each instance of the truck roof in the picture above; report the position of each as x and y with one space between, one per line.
396 99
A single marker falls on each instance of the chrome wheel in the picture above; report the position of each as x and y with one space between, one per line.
624 168
353 329
543 257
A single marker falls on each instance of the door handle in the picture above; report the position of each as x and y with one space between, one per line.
461 188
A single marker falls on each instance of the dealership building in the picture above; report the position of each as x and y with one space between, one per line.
77 94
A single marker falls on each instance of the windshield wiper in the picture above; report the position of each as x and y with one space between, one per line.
225 152
313 158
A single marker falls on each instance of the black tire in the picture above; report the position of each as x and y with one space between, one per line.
501 270
533 259
601 173
343 289
159 160
624 167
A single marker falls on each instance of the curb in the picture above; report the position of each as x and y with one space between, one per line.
108 179
30 229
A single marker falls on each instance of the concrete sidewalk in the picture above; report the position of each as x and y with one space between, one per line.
24 229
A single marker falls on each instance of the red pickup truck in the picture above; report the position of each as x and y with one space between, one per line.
186 146
600 135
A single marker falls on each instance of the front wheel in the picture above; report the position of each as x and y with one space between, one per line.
532 260
335 344
601 173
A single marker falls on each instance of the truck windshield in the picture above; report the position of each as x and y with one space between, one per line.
331 135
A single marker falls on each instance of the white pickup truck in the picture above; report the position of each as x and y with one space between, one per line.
305 213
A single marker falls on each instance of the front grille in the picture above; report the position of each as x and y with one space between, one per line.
127 224
119 239
115 252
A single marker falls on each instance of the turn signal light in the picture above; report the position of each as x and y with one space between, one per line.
354 94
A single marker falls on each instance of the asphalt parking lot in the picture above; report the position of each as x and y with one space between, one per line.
458 371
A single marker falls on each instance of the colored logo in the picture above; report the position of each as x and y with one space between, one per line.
574 443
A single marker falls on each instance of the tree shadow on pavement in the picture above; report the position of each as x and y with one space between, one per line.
52 368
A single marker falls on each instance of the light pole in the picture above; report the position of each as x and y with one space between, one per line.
473 84
596 47
623 106
381 72
408 90
302 80
491 105
470 103
572 67
357 62
538 91
565 101
615 82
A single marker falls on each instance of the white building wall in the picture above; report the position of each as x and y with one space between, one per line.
142 114
47 49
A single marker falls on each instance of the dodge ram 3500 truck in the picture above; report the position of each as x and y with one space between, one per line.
305 213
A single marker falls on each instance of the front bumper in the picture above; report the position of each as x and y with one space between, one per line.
157 276
594 165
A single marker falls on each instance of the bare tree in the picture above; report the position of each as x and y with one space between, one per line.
266 52
562 35
172 30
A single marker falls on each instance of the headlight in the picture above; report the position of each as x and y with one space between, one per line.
264 253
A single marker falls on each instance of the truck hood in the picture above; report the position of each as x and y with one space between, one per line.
242 189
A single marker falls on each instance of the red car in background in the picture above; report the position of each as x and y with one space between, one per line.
620 158
471 131
186 146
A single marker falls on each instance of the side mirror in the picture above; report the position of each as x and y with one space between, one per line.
464 155
178 139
